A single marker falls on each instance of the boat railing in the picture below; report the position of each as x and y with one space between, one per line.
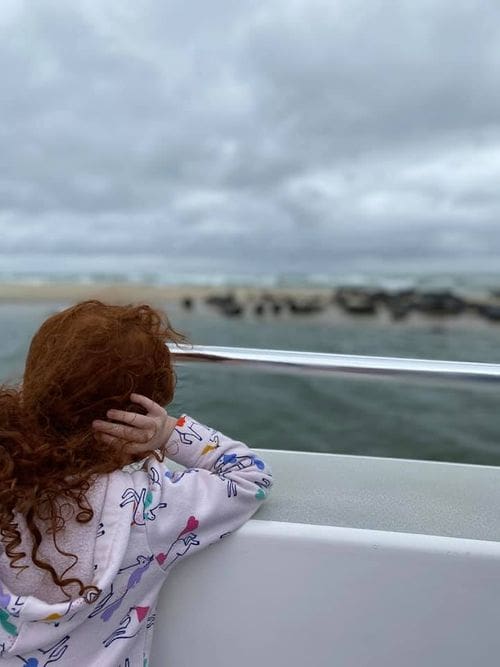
375 561
346 365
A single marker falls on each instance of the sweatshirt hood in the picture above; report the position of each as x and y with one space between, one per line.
31 611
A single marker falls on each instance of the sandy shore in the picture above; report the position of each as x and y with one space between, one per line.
134 292
172 297
69 292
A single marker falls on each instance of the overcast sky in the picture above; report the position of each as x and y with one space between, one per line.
240 135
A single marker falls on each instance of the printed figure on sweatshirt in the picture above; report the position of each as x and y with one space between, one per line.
185 540
103 603
107 610
143 511
229 462
12 605
264 484
52 654
154 477
189 432
129 626
87 427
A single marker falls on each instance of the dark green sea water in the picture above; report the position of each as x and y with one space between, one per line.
353 416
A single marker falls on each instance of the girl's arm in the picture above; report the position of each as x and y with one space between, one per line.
223 485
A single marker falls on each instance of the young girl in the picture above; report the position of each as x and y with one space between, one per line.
85 544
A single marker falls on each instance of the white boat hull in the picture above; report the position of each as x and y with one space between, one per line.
280 593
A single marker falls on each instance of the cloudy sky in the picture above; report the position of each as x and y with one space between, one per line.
249 135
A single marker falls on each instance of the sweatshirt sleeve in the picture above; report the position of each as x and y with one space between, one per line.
223 485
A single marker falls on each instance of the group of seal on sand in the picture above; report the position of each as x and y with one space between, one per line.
355 301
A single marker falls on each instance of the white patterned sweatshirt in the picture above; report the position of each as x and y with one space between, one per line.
148 520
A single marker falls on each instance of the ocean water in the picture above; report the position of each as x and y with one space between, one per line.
322 414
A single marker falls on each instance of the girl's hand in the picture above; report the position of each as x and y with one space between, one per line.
138 433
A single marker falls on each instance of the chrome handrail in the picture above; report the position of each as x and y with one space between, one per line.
287 361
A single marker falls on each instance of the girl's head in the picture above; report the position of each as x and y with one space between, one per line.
91 357
82 361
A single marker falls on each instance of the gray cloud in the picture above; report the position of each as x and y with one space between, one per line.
261 134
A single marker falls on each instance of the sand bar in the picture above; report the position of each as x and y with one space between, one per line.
170 295
135 292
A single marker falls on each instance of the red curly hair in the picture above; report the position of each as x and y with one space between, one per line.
81 362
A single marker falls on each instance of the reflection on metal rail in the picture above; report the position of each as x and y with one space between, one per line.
313 363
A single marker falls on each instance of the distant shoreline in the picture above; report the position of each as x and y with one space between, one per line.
308 304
